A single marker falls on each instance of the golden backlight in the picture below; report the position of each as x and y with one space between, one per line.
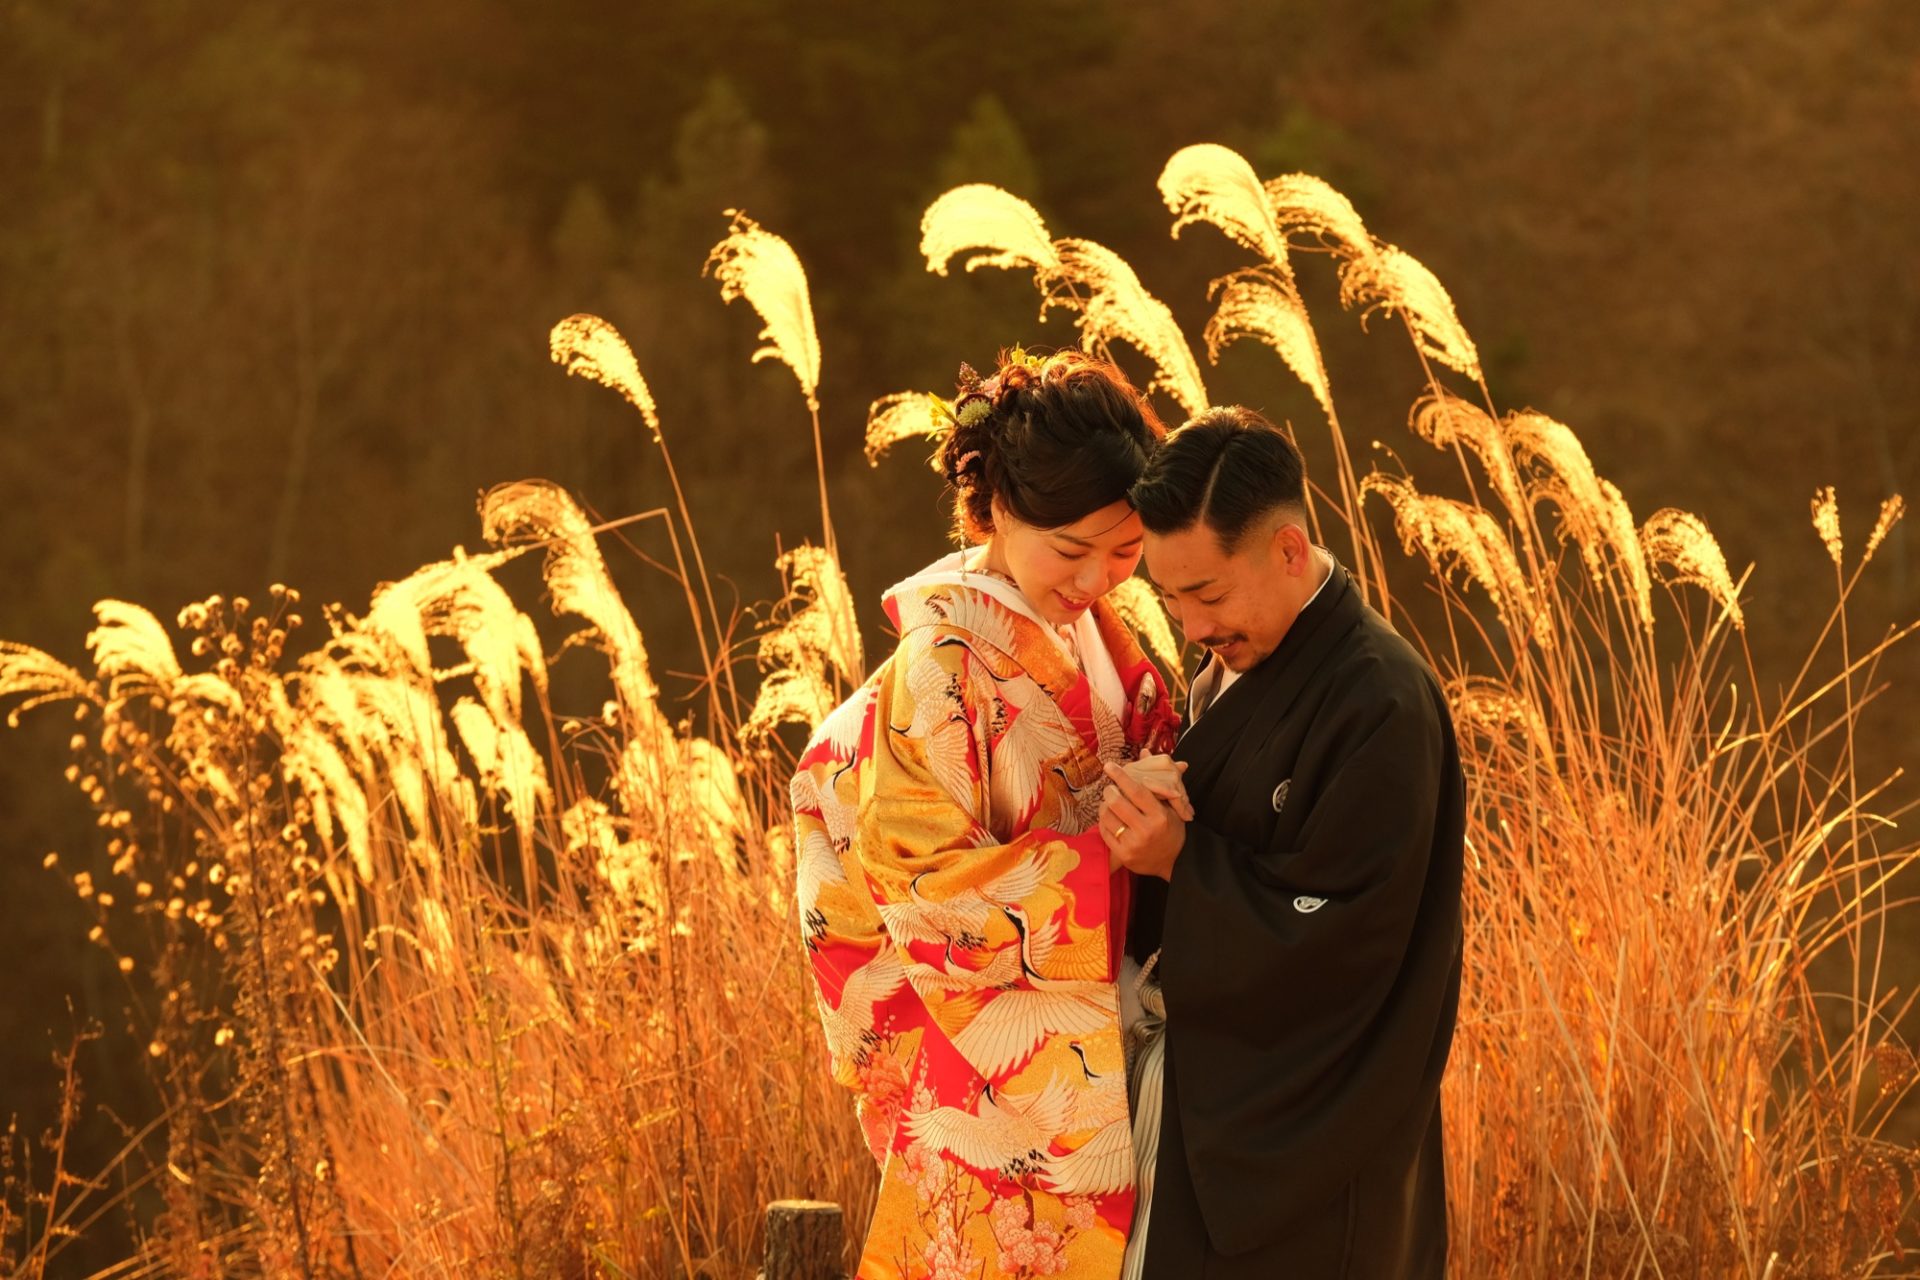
442 979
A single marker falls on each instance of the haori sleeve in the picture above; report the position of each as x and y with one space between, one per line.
1006 937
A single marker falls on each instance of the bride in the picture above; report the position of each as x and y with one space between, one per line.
962 917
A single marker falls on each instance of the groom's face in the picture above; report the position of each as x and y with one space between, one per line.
1237 604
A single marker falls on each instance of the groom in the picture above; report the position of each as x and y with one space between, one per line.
1302 933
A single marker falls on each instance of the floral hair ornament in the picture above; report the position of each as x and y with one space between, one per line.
975 398
973 403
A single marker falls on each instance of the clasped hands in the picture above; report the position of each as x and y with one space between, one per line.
1144 813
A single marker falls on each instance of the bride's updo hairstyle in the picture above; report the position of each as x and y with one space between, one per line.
1054 437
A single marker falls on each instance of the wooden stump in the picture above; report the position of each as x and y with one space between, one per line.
805 1239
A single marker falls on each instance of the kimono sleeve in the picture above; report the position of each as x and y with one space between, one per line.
1006 937
856 973
1322 972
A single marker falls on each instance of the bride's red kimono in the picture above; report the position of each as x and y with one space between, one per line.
965 932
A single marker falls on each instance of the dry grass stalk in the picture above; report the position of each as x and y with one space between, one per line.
35 678
589 347
1891 509
1593 512
1213 184
905 415
1116 307
1374 275
1445 421
1681 541
1081 275
1305 205
1483 705
1458 538
812 659
1140 608
535 513
1826 522
755 264
1261 304
981 216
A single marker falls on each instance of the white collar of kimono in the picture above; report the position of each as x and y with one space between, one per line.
1086 649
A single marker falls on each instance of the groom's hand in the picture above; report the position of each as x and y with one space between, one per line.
1142 832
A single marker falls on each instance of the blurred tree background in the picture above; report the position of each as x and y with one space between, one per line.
276 279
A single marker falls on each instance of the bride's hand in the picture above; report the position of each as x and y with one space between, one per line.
1163 776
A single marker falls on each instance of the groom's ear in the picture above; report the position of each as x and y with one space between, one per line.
1291 547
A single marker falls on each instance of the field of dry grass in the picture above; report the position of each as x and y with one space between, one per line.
461 949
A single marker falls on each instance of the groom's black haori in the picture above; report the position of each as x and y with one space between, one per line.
1311 958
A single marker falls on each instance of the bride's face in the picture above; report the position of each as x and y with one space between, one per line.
1063 571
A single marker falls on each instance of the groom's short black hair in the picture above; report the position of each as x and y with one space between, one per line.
1229 468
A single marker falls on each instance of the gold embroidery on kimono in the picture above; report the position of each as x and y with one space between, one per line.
965 935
